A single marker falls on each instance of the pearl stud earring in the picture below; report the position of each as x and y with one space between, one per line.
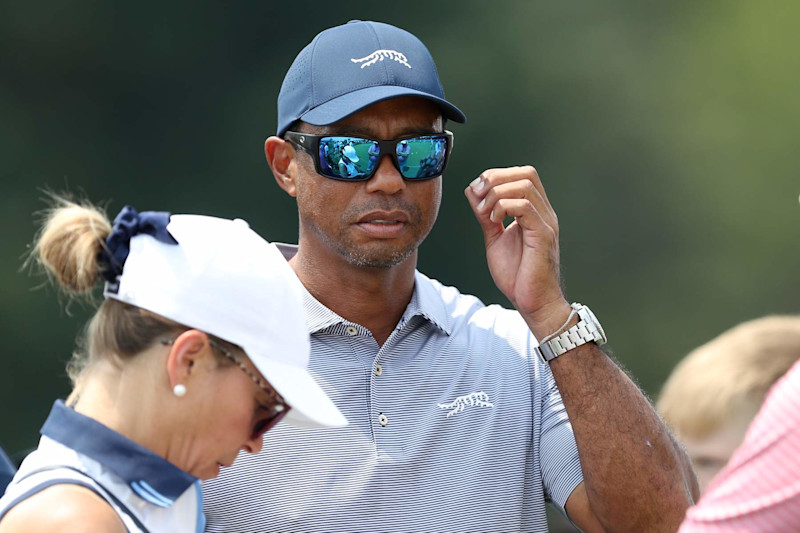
179 390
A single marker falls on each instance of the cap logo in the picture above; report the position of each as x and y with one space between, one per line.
380 55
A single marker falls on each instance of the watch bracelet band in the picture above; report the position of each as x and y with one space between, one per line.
560 343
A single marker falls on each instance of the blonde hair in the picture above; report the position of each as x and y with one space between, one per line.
68 247
69 243
729 375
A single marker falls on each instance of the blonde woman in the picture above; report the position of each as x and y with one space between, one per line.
199 347
713 394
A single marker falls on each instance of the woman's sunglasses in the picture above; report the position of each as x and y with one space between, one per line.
343 157
278 406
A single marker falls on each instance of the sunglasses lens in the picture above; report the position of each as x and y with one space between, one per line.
352 158
265 424
422 157
347 158
261 428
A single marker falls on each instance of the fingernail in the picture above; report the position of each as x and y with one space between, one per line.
480 205
491 216
477 184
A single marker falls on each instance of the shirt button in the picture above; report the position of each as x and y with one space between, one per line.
378 370
383 420
351 330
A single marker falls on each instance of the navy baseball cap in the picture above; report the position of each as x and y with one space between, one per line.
349 67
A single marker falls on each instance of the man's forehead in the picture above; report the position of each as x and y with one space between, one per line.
398 116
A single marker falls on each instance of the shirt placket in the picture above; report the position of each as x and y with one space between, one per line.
377 361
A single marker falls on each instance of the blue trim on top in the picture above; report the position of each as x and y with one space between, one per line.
146 493
201 517
132 462
7 471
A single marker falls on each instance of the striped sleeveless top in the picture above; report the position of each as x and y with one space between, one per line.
147 492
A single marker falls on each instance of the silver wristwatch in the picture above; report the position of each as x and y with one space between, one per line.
588 329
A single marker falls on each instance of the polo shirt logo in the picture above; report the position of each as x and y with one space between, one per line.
380 55
476 399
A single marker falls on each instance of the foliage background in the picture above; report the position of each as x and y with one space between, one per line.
666 134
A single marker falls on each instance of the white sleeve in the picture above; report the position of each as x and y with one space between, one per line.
558 452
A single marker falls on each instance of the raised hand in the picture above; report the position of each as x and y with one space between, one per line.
615 427
523 257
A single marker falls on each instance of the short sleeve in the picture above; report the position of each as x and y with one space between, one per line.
558 452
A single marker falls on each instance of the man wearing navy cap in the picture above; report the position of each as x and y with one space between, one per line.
460 419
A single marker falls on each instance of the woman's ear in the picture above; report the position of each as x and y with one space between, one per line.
281 159
187 350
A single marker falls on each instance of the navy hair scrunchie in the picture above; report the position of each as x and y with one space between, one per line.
128 223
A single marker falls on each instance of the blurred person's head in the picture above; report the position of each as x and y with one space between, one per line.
713 394
200 345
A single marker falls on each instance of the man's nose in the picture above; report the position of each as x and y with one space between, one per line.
387 178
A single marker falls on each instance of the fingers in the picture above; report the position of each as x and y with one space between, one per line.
499 176
516 192
524 212
485 219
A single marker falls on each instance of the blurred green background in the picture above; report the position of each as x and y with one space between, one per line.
666 134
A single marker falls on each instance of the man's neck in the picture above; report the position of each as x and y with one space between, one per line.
372 297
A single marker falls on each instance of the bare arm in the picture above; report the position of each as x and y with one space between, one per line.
636 478
62 509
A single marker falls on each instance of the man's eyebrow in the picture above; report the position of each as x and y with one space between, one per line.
361 131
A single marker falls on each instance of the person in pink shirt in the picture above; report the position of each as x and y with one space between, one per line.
759 489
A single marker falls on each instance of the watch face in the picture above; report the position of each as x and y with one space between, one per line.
597 324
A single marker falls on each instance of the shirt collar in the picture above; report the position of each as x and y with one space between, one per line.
318 317
149 475
428 303
425 302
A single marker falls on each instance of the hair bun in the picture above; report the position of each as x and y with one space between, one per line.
70 242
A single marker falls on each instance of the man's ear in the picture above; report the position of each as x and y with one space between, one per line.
281 159
186 351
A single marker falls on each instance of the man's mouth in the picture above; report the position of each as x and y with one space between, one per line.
384 217
384 225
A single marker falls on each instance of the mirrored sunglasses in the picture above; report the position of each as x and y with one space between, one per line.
348 158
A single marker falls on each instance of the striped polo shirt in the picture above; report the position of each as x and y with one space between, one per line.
147 492
455 425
